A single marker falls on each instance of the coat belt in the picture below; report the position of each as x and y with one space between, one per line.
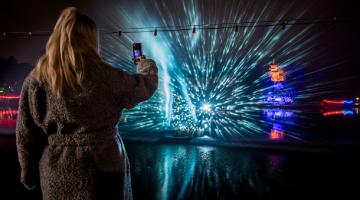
79 139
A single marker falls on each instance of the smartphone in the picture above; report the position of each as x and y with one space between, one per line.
137 52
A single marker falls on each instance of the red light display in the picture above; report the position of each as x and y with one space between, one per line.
276 74
276 134
9 97
333 102
8 118
8 123
8 112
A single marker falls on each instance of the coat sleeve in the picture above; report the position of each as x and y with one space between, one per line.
29 140
129 90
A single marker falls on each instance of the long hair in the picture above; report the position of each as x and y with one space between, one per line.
71 48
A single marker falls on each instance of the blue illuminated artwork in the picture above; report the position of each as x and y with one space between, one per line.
213 82
279 95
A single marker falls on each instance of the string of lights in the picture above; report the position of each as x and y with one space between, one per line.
193 28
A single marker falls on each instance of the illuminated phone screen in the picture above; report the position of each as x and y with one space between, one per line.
136 50
137 53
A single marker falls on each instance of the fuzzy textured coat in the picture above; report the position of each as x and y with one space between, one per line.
70 145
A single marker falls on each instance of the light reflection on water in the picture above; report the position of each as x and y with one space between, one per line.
200 172
170 171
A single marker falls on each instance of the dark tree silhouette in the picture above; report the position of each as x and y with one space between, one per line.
13 73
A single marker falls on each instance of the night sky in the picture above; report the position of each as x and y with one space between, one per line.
40 15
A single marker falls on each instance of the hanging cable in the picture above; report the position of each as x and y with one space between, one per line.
177 28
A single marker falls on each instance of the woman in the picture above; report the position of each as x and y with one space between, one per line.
66 133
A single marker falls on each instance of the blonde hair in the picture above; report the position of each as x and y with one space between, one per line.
71 48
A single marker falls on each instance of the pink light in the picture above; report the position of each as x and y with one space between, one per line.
333 102
9 97
10 123
336 112
9 112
